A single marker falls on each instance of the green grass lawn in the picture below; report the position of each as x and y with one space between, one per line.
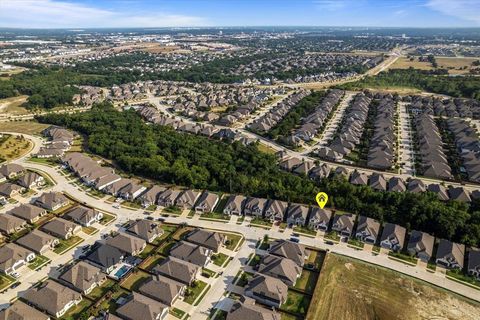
260 221
151 261
38 262
232 240
177 313
99 292
66 245
207 273
296 302
89 230
173 210
305 230
5 281
458 275
307 281
107 218
356 243
244 278
135 280
164 249
109 304
78 310
255 260
194 291
215 215
191 213
219 259
147 251
240 219
404 257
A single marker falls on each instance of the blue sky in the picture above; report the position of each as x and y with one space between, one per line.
180 13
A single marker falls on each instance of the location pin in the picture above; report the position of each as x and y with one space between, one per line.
322 199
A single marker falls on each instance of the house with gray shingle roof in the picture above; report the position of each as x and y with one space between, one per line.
192 253
439 190
28 212
267 290
396 184
105 256
30 180
254 206
187 199
84 216
234 205
377 182
145 229
163 289
22 311
176 269
420 245
242 311
459 194
144 308
281 268
150 197
10 224
343 224
393 237
275 210
416 186
38 241
8 189
450 255
208 239
207 202
167 198
297 215
13 257
83 277
127 243
61 228
289 250
52 201
474 263
359 178
11 170
367 230
319 218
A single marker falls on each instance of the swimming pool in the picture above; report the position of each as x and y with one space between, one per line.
122 271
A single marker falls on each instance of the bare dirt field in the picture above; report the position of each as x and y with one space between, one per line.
352 290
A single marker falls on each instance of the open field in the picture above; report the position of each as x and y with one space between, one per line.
456 65
13 147
27 127
13 106
353 290
405 63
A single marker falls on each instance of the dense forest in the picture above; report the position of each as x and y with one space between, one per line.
431 81
161 153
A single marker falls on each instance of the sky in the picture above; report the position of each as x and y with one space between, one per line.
205 13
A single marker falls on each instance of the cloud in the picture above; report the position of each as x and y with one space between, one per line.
468 10
62 14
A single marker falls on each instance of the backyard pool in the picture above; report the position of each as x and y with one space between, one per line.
122 271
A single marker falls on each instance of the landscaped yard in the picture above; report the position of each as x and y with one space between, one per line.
135 280
219 259
296 302
207 273
107 218
232 240
458 275
164 249
177 313
215 215
38 262
98 292
147 251
315 260
76 312
261 222
305 230
194 291
89 230
255 260
109 303
173 210
243 280
404 257
307 281
65 245
151 261
5 281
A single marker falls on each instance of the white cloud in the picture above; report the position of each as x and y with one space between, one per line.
468 10
62 14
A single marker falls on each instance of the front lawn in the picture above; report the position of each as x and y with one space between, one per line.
89 230
304 230
232 240
5 281
207 273
66 245
215 216
173 210
38 262
107 218
404 257
194 291
261 222
219 259
458 275
255 260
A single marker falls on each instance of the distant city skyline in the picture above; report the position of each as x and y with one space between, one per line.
211 13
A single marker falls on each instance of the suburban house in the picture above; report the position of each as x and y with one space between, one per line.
377 182
163 289
126 189
142 307
179 270
187 199
343 224
416 186
13 257
289 250
28 212
22 311
319 219
30 180
38 241
297 215
420 245
84 216
83 277
150 197
206 202
450 254
393 237
145 229
61 228
275 210
126 243
439 190
254 206
11 170
359 178
396 184
10 224
52 201
208 239
105 256
167 198
8 189
267 290
248 310
474 263
52 297
234 205
367 229
281 268
192 253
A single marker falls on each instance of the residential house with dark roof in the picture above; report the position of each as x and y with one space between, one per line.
61 228
84 216
150 197
439 190
450 255
21 311
416 186
28 212
140 307
53 298
31 180
11 170
242 311
163 289
267 290
368 230
359 178
179 270
192 253
473 267
319 219
127 243
38 241
459 194
10 190
52 201
105 256
167 198
207 202
10 224
396 184
297 215
13 257
208 239
147 230
234 205
254 206
187 199
83 277
420 245
343 224
275 210
289 250
393 237
377 182
281 268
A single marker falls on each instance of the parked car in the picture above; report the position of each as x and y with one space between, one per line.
294 239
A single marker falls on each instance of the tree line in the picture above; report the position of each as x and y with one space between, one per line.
161 153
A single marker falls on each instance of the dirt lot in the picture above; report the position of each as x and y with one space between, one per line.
351 290
27 127
12 106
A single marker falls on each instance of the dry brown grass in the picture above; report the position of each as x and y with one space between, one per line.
27 127
352 290
456 65
13 147
13 105
405 63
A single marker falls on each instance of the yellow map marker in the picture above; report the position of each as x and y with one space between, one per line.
322 199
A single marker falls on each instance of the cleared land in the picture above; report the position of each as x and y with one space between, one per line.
13 105
456 65
13 147
353 290
405 63
27 127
